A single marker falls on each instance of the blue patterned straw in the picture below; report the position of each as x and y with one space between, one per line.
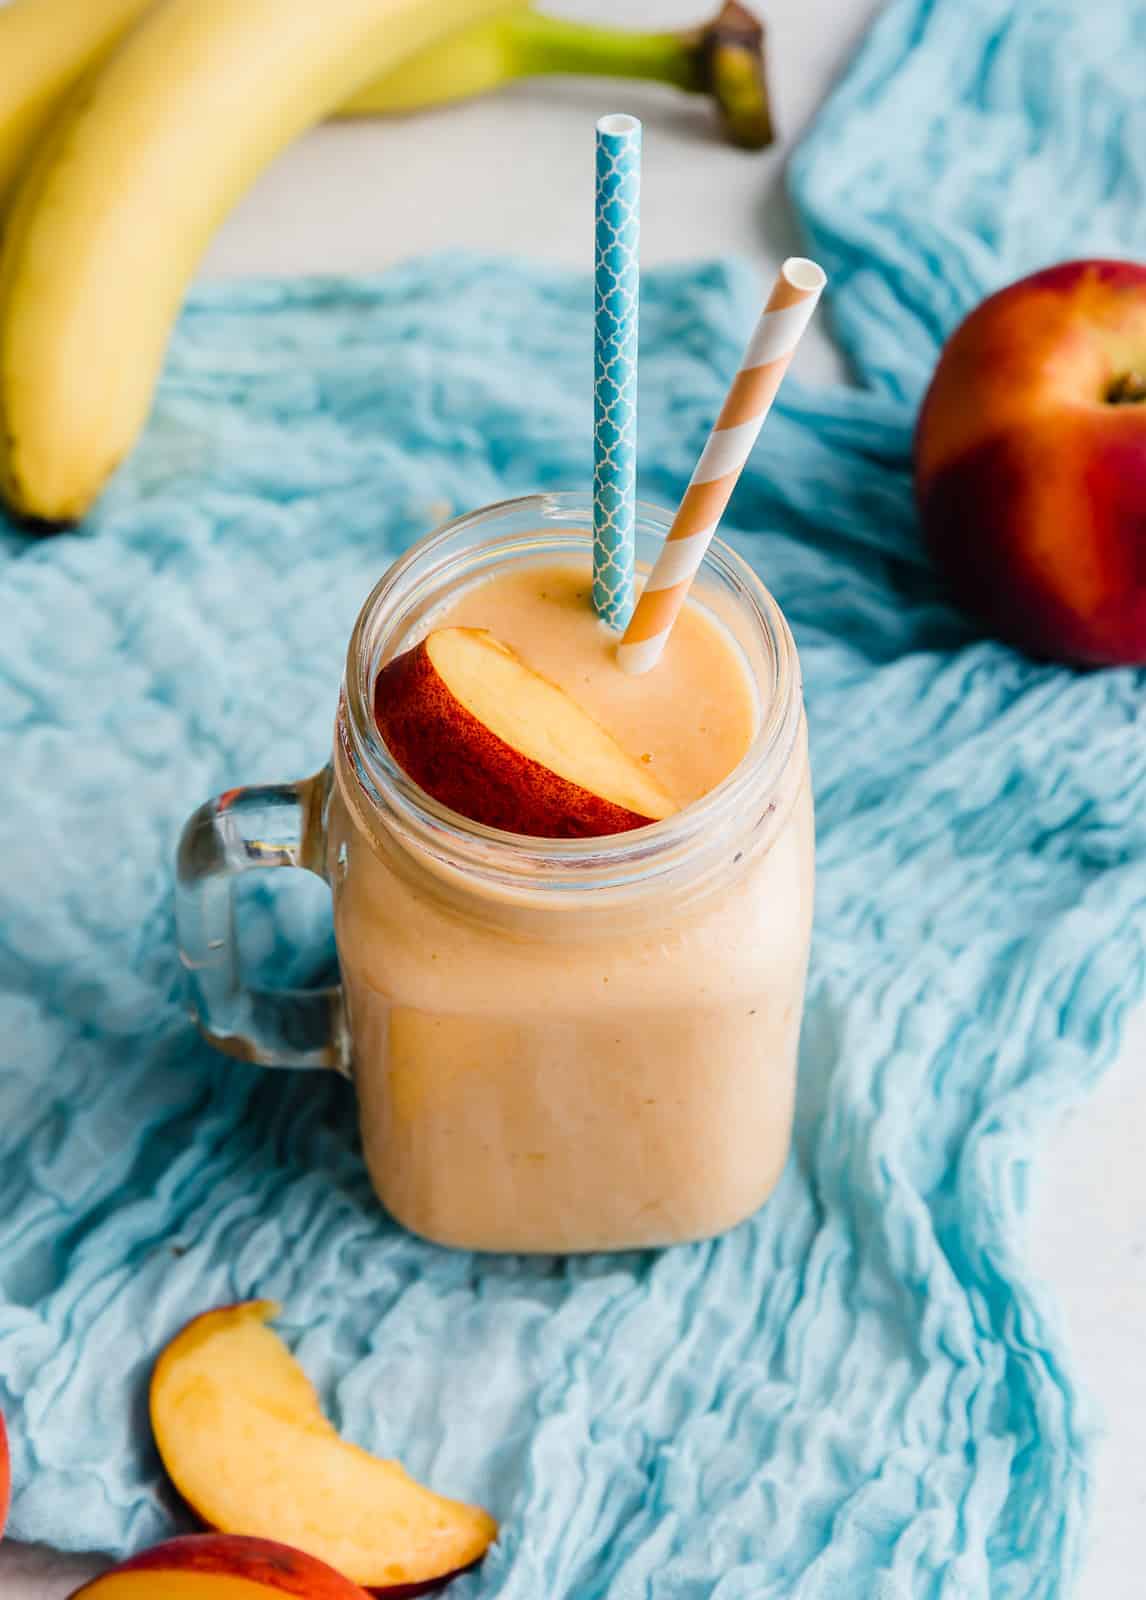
616 293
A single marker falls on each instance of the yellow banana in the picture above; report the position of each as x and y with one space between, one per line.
45 46
471 62
724 59
112 216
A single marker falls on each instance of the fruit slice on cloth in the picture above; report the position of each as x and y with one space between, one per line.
487 736
218 1566
244 1440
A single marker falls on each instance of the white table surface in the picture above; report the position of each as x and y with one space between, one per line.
357 197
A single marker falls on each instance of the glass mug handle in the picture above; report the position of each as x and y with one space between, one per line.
269 825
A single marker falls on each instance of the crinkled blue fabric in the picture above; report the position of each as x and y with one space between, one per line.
859 1392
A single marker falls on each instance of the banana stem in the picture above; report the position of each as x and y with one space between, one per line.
1129 388
549 45
724 58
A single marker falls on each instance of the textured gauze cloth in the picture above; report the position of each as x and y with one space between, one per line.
859 1392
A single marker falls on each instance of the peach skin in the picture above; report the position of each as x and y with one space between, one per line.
220 1566
482 733
5 1475
1030 463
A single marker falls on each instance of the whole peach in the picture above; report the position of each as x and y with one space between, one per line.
1030 463
217 1566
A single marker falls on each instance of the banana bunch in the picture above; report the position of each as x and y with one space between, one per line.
129 128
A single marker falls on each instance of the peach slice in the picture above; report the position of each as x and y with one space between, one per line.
244 1440
219 1566
5 1474
484 734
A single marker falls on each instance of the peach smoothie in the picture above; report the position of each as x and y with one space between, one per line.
564 1056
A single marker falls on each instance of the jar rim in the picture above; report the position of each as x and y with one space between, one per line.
541 865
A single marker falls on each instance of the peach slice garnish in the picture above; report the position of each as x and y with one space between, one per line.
484 734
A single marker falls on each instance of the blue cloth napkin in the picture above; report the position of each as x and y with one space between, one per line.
861 1391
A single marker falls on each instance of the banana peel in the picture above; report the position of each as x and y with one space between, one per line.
123 194
48 45
112 205
723 59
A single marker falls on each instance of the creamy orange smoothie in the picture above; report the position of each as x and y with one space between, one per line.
610 1069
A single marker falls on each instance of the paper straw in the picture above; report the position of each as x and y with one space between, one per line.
616 292
782 322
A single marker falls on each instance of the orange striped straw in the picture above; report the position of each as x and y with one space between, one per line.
771 347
